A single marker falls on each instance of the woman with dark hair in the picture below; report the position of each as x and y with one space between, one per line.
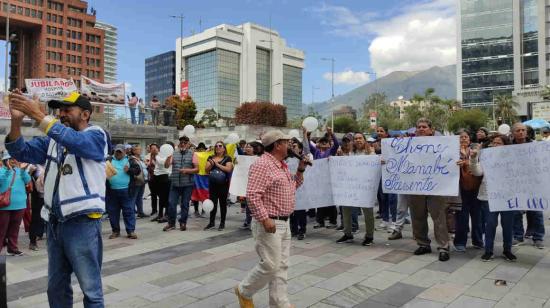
469 187
506 217
387 203
482 137
218 166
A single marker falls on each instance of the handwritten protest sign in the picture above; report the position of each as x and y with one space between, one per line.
421 165
316 190
355 179
50 88
517 176
239 179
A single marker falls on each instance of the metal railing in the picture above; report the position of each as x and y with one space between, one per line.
122 115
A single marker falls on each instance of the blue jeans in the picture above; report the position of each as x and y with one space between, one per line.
177 193
506 223
137 198
470 209
535 225
133 114
388 207
74 246
141 120
117 200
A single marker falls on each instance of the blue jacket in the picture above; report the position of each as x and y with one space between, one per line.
74 181
18 197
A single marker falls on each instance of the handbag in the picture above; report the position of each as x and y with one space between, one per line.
5 197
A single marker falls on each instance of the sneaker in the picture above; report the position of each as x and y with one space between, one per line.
114 235
340 228
243 301
516 243
15 253
132 235
332 226
528 235
486 257
318 226
169 227
33 247
538 244
443 256
209 226
422 250
382 226
183 227
509 256
395 235
301 236
460 248
367 241
345 239
221 227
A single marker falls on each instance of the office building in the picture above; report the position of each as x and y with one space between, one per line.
52 39
226 65
109 51
502 50
160 72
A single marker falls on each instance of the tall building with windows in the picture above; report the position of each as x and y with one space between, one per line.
226 65
504 49
160 72
52 39
109 51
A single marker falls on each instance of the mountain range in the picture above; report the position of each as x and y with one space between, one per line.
394 85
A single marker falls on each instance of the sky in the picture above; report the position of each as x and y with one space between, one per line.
363 36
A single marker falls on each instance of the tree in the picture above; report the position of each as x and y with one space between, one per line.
545 94
186 110
373 102
505 108
412 113
261 113
388 117
209 118
344 125
471 119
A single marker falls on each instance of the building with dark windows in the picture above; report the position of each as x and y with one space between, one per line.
160 72
110 51
52 39
227 65
503 51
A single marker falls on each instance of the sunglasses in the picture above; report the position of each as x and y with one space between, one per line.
219 145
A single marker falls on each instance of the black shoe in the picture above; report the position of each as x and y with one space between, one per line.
162 220
395 236
209 226
301 236
221 227
486 257
345 239
367 242
318 226
422 250
509 256
443 256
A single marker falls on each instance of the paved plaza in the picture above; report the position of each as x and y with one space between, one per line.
199 268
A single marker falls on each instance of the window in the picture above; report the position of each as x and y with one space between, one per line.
27 12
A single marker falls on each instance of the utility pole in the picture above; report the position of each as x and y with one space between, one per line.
7 46
332 84
181 47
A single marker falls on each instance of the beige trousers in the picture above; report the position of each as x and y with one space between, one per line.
436 206
273 250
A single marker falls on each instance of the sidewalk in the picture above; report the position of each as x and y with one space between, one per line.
199 268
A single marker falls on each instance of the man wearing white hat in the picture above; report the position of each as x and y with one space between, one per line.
271 198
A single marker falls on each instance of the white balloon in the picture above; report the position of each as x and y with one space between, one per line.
504 129
294 133
166 150
188 130
232 138
310 123
207 205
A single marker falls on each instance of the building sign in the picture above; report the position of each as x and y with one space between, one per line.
184 89
50 88
541 111
112 93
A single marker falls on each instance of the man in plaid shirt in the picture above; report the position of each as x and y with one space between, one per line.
271 196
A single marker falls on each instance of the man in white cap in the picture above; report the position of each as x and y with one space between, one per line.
271 198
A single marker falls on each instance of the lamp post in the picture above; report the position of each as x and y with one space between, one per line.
181 47
332 84
7 44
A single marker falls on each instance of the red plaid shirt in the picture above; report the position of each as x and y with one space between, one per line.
271 188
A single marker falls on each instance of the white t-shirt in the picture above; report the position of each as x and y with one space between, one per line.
159 166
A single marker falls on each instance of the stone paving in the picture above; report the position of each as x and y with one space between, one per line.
199 268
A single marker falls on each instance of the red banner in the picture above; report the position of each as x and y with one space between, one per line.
184 89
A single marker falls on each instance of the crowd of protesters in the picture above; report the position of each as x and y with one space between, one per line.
178 181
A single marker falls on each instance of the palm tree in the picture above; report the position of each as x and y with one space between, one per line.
505 108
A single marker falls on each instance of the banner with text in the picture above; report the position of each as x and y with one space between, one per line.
50 88
101 92
517 176
421 165
239 178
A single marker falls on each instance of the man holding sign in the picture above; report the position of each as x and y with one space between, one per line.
271 196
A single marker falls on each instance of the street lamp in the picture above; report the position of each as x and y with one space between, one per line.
7 44
332 82
181 47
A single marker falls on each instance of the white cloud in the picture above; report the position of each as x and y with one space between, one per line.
417 37
348 77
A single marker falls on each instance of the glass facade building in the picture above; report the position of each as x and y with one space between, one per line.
292 91
487 50
530 42
214 81
263 75
160 76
